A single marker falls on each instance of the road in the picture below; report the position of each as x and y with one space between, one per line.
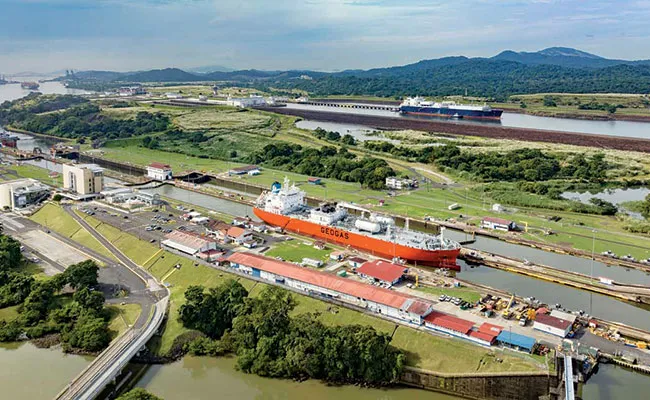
109 364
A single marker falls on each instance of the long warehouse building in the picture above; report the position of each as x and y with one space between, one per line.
382 301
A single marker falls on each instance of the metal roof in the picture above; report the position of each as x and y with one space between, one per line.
549 320
515 339
323 280
449 322
382 270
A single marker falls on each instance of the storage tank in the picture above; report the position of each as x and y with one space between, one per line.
368 226
382 219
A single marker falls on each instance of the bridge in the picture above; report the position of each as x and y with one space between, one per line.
109 364
569 391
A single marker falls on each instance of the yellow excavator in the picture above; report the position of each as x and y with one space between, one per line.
506 311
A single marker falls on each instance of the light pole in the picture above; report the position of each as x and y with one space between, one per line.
593 248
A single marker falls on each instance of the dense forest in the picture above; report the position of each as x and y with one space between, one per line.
75 117
269 341
530 165
327 162
480 77
80 321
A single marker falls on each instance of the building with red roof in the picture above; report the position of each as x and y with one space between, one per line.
159 171
486 334
314 283
382 271
448 323
553 325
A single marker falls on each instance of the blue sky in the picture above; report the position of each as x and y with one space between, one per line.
48 35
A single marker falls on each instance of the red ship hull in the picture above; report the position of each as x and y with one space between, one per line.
377 247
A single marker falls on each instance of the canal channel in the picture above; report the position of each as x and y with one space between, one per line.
514 120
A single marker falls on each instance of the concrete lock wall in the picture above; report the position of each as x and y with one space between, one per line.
489 387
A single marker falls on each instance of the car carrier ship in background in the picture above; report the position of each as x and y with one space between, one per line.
284 206
448 109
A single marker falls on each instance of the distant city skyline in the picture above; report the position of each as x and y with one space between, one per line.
326 35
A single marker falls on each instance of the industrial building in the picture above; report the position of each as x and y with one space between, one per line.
243 102
248 169
130 198
498 224
356 262
486 334
553 325
83 180
159 171
21 193
516 341
382 271
393 182
189 243
125 91
381 301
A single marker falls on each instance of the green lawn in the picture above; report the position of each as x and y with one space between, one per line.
122 317
55 218
295 250
464 293
9 313
445 355
12 172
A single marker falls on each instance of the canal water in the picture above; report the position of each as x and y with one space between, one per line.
13 91
515 120
30 373
201 378
359 132
614 196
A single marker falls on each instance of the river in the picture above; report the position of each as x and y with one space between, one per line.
30 373
200 378
13 91
514 120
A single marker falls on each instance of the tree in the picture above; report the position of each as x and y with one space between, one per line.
89 333
212 312
81 275
10 254
90 300
645 207
549 101
138 394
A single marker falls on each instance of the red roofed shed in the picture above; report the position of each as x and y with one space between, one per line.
437 320
382 271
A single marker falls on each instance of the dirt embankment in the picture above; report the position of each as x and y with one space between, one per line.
494 132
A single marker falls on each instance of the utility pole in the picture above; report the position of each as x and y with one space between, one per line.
593 248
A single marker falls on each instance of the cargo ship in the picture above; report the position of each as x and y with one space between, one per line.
7 139
30 85
284 206
448 109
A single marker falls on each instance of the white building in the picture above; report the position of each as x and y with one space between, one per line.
498 224
21 193
125 91
159 171
131 198
314 283
86 180
393 182
552 325
243 102
188 243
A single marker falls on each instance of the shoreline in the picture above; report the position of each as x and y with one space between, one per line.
494 132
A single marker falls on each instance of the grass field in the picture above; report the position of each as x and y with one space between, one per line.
464 293
122 317
9 313
12 172
54 217
295 250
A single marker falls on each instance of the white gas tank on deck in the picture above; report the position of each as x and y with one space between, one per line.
368 226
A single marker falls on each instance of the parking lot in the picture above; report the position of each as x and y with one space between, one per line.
152 225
